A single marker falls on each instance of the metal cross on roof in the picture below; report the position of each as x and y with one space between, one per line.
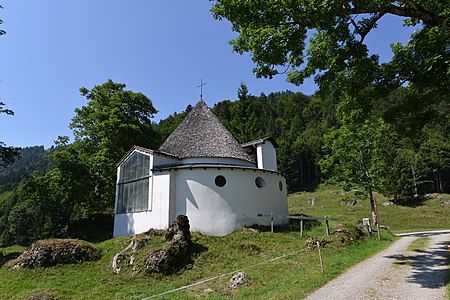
201 88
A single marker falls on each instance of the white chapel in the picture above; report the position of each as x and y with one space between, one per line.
200 171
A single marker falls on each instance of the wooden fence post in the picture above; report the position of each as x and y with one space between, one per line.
320 256
327 225
271 223
301 228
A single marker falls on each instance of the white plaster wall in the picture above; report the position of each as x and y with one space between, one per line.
132 223
266 156
159 160
219 211
162 182
218 160
158 217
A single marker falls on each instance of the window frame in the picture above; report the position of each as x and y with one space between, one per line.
128 183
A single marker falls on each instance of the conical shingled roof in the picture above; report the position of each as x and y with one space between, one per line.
201 134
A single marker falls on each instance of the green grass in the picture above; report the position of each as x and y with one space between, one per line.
9 253
426 213
419 244
291 277
419 214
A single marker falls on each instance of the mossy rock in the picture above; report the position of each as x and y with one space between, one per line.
343 235
47 253
44 294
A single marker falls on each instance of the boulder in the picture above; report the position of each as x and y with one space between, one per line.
158 262
238 279
311 243
178 239
47 253
179 230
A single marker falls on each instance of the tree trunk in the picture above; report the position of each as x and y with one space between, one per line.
414 180
439 182
372 204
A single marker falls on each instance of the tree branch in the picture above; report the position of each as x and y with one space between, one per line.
412 10
366 28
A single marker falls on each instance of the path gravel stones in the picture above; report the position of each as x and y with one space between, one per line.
395 273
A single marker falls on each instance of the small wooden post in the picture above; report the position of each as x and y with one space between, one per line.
271 223
301 228
327 225
320 257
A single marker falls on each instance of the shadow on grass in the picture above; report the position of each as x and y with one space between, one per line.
187 262
429 267
5 257
304 188
412 202
292 226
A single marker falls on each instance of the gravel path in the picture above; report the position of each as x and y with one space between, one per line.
398 273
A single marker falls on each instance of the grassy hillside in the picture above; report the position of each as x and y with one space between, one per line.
431 212
291 277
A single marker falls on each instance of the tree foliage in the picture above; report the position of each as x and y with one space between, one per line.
275 32
113 120
408 94
327 40
357 156
81 180
31 159
244 126
8 154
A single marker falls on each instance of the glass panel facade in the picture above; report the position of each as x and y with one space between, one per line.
137 166
133 186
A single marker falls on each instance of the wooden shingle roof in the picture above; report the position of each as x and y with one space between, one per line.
201 134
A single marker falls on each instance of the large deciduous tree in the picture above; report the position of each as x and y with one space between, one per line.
82 181
276 33
357 156
327 40
113 120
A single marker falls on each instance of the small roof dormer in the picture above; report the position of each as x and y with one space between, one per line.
264 153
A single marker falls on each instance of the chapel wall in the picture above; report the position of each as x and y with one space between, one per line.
160 160
218 160
267 156
158 214
216 210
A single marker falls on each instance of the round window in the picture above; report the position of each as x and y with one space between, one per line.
260 183
220 181
280 185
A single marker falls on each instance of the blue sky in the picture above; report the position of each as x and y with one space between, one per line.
160 48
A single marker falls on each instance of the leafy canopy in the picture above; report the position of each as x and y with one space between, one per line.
275 31
113 120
